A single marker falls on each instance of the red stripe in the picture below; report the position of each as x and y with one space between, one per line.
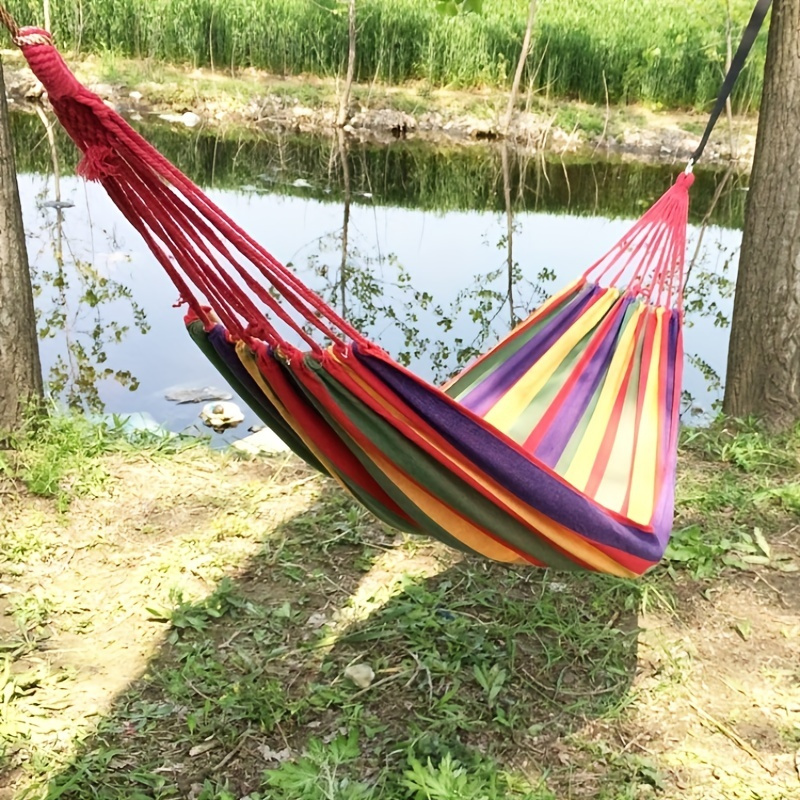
550 416
307 420
647 356
439 447
607 445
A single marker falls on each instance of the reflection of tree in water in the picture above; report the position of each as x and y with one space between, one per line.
374 292
72 300
710 283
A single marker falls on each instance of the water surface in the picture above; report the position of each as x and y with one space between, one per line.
427 259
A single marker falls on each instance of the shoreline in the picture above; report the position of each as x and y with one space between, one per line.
257 101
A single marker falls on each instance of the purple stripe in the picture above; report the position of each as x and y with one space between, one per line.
511 469
227 352
481 399
574 406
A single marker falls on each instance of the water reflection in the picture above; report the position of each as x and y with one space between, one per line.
74 299
364 227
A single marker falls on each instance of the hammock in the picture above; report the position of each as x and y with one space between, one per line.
557 448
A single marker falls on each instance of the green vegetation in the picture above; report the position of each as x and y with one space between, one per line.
739 488
666 52
57 455
408 174
203 615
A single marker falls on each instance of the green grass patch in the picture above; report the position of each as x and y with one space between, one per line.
738 487
57 454
260 591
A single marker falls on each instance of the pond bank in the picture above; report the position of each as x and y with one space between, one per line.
308 104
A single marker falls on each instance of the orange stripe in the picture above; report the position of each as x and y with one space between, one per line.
573 545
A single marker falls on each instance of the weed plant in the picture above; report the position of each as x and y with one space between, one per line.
665 52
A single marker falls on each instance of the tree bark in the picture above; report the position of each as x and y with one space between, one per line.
344 100
763 376
20 370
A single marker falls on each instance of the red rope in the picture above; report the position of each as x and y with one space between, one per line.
211 260
649 261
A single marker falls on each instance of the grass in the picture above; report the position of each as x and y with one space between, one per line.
666 53
737 491
203 615
57 456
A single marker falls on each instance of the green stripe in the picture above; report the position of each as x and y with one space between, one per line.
440 481
266 412
504 351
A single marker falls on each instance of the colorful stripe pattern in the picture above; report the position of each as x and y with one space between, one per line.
556 448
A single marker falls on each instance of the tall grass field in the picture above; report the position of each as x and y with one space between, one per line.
664 52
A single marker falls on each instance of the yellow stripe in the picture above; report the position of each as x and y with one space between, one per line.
443 515
514 402
613 488
531 319
581 467
643 487
562 537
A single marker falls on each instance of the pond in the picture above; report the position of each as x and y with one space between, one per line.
414 243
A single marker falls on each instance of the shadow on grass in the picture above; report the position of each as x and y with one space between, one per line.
480 673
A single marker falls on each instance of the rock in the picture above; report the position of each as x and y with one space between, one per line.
24 85
136 96
386 119
361 675
263 442
202 395
221 416
301 183
103 89
188 118
58 204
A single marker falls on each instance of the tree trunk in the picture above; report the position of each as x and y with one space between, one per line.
20 371
764 358
523 57
344 101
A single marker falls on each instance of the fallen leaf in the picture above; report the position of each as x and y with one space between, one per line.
744 628
276 756
762 543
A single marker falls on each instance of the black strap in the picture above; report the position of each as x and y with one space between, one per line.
749 36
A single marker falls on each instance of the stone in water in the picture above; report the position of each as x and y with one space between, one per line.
201 395
221 416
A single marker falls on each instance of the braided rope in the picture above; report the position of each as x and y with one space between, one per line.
9 22
22 37
32 38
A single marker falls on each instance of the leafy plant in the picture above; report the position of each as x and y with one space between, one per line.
320 774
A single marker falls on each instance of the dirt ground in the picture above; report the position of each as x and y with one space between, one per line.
711 710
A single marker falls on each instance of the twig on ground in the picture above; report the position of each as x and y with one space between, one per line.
732 735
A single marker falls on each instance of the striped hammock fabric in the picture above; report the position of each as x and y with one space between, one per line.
557 448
